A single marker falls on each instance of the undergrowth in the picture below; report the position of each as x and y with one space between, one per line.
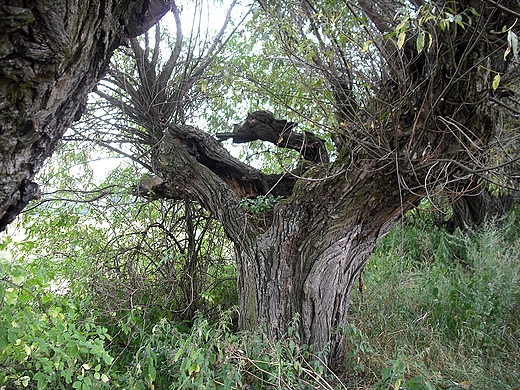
441 309
212 356
438 311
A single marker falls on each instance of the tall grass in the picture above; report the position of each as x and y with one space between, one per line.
442 309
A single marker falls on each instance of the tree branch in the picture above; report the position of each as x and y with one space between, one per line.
505 9
151 12
244 180
185 176
261 125
172 61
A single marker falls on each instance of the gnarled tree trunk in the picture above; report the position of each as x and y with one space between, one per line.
305 262
52 54
427 129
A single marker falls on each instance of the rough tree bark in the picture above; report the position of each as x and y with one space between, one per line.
262 125
52 54
316 245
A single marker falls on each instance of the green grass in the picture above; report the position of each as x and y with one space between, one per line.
442 308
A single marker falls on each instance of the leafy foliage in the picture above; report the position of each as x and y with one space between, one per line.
211 356
47 338
260 209
120 266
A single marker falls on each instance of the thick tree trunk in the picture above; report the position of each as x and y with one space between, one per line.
308 260
318 241
52 54
473 209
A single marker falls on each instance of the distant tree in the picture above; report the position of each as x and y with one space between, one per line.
473 209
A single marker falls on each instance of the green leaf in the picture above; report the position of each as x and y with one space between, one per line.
474 12
418 379
496 82
179 353
3 341
41 380
108 359
73 351
38 375
400 40
17 275
43 345
6 243
152 373
67 373
420 41
42 383
194 370
12 337
402 27
366 46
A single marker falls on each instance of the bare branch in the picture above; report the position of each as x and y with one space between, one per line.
505 9
101 193
243 179
261 125
166 73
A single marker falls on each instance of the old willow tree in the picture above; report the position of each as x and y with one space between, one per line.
406 99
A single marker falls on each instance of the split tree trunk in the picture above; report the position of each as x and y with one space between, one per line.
319 240
307 262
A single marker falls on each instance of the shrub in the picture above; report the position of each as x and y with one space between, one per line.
211 356
45 340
